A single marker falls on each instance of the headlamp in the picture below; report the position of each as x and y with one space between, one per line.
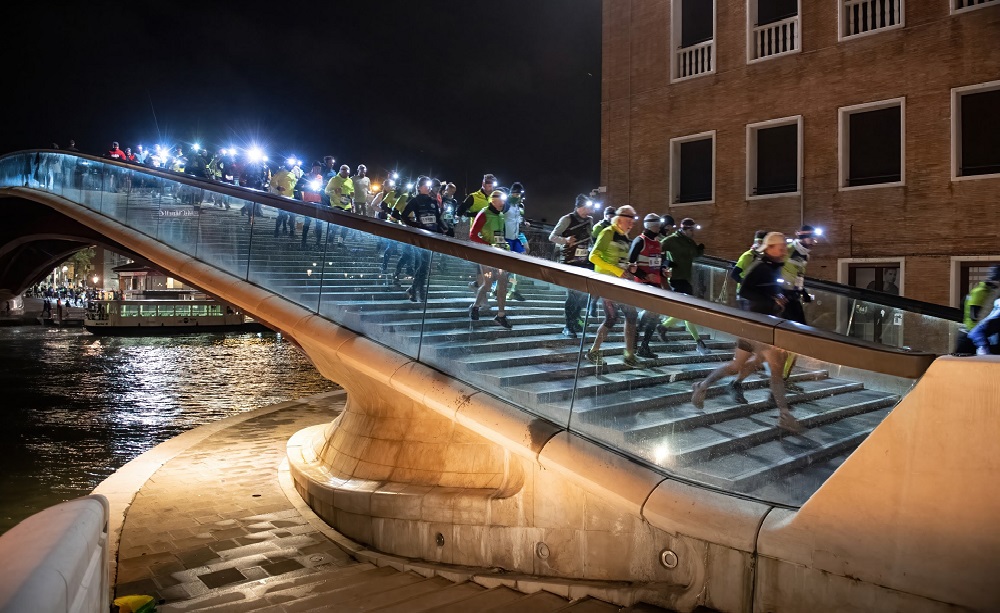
818 231
255 154
409 186
392 183
395 175
196 147
428 183
315 184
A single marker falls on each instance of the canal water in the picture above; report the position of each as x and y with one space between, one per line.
75 407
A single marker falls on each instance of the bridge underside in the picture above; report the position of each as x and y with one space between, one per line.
35 238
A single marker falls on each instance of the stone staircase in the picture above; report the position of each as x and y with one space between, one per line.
645 412
363 587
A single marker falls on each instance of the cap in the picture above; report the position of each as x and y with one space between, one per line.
759 235
687 222
805 232
667 220
652 222
517 187
771 239
625 211
609 211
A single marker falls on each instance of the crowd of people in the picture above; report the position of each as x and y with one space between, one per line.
770 278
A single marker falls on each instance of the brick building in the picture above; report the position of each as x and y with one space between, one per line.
877 120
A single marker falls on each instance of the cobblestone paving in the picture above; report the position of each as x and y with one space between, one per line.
212 526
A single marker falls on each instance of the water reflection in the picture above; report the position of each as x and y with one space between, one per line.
76 407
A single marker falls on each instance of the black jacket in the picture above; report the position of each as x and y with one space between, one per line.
762 285
422 212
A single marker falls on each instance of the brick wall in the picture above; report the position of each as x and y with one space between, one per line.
928 219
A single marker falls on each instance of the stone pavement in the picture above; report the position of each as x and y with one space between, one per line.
214 518
213 530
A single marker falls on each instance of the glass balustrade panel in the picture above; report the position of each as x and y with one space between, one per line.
649 397
224 234
367 286
857 318
287 255
532 363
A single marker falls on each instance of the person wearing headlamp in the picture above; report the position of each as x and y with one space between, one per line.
573 234
680 250
362 189
479 199
794 275
610 257
309 189
421 212
488 228
340 189
647 254
449 204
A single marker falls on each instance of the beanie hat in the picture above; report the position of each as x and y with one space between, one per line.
771 239
581 201
625 211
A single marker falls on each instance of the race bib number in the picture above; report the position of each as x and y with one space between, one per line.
581 252
345 201
427 220
655 262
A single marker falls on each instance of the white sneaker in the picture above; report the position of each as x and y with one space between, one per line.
982 351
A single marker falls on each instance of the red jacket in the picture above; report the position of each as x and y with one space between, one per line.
116 154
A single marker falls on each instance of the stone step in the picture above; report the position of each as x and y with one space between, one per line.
433 600
662 410
378 580
740 433
539 602
376 599
590 605
765 464
483 601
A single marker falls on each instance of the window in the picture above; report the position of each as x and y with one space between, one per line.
975 131
692 169
966 272
961 6
693 38
872 320
859 17
872 144
772 28
774 157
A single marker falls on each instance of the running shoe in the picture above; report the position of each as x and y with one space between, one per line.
516 295
736 393
474 313
501 320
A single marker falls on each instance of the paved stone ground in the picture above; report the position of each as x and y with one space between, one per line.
212 525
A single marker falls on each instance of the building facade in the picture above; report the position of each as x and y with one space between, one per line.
877 120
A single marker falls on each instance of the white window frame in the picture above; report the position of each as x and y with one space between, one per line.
975 7
956 270
840 23
956 128
751 156
751 24
675 167
844 142
675 38
844 265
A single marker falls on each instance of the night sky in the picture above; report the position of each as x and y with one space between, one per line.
449 88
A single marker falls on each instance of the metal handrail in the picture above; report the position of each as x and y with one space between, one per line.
819 344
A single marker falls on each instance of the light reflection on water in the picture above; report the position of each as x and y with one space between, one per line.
75 407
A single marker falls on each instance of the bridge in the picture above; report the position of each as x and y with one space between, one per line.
465 443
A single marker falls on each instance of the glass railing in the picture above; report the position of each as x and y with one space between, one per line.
852 312
413 292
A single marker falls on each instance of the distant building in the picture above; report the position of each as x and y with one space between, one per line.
878 120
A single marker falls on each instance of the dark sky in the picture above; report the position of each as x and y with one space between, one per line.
454 88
